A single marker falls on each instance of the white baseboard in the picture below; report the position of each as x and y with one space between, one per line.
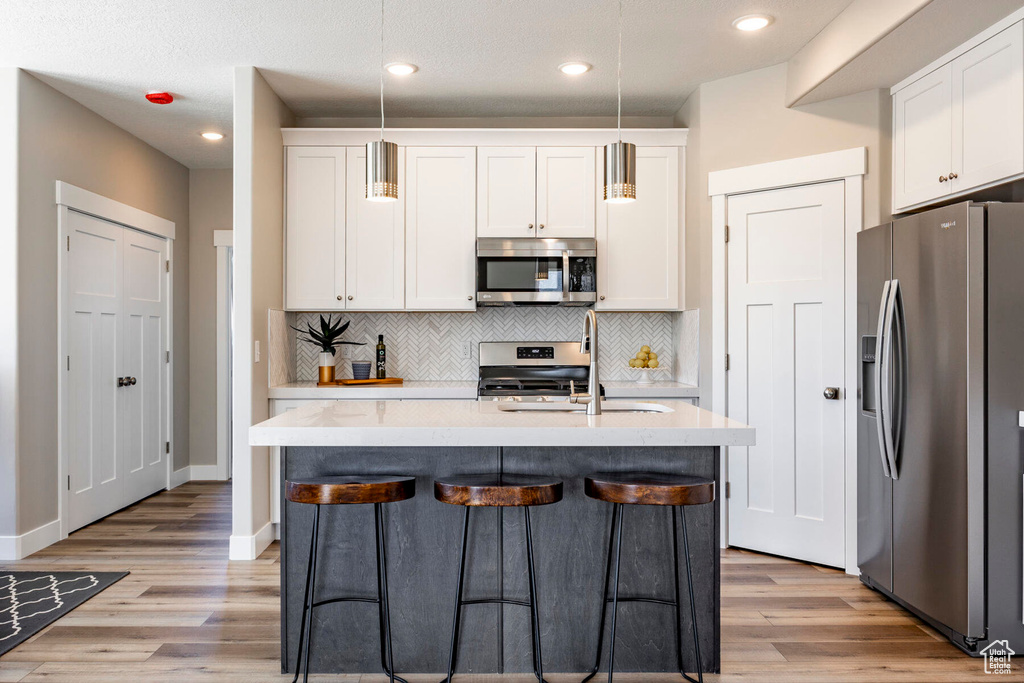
194 473
20 547
205 473
250 547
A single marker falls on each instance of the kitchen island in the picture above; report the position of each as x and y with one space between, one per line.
442 438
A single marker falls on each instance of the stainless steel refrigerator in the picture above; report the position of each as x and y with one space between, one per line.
940 479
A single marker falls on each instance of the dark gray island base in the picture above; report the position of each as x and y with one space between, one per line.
571 542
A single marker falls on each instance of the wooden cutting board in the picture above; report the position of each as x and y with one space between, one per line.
361 382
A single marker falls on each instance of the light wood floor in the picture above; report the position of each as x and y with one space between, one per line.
186 614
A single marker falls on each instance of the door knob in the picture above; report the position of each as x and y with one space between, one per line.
832 393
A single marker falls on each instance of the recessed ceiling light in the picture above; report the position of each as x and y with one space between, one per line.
574 68
213 136
752 22
401 68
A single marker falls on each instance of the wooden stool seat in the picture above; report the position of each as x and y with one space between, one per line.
353 489
649 488
492 490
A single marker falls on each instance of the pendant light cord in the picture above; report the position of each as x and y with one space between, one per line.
620 74
382 67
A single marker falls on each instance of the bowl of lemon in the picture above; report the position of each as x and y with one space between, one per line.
645 361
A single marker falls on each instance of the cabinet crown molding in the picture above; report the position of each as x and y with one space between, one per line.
474 137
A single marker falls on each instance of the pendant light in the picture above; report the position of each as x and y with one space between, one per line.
620 157
381 156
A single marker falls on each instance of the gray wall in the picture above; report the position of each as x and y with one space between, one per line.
209 209
740 121
59 139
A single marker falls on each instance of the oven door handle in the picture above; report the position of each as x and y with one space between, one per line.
565 276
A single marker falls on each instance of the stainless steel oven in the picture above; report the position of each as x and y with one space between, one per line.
531 271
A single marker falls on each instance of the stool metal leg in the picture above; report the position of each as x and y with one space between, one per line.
305 602
615 593
538 662
382 595
675 584
307 627
458 599
604 596
693 606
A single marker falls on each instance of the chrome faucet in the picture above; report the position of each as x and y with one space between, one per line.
592 398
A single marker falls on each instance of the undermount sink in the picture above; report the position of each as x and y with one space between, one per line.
566 407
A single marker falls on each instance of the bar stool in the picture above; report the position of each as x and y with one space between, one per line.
646 488
349 490
494 490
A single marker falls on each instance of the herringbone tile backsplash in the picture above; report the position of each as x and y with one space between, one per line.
427 346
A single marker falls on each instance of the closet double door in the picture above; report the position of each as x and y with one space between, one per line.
115 326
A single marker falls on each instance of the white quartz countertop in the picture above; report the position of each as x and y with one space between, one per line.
481 423
418 389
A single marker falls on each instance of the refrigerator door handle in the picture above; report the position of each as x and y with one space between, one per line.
885 395
898 337
881 336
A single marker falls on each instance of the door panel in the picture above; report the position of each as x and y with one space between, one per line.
506 191
988 110
786 344
375 241
566 188
94 325
874 488
922 139
931 254
145 345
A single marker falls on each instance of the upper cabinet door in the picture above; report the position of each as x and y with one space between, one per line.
922 139
506 190
988 111
440 219
638 243
315 228
375 241
566 187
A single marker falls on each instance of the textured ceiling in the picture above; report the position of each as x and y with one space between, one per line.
476 57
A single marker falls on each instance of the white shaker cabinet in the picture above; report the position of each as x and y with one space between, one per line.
638 242
440 220
961 125
315 228
506 191
374 242
566 187
988 111
535 192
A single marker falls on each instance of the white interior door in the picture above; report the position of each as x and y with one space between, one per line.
144 362
786 332
93 332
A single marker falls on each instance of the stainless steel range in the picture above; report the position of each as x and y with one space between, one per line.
532 371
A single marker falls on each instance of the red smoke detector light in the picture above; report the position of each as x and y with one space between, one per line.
160 97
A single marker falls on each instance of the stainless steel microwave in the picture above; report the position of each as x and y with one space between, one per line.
536 272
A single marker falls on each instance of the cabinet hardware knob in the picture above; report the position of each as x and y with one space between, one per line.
530 226
831 393
350 297
132 381
469 298
943 178
120 381
602 297
953 175
339 297
541 226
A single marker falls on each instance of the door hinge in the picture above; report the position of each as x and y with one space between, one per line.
167 266
168 359
728 493
69 242
727 362
727 234
167 447
69 482
69 363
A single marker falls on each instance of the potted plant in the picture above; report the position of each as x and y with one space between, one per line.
328 338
